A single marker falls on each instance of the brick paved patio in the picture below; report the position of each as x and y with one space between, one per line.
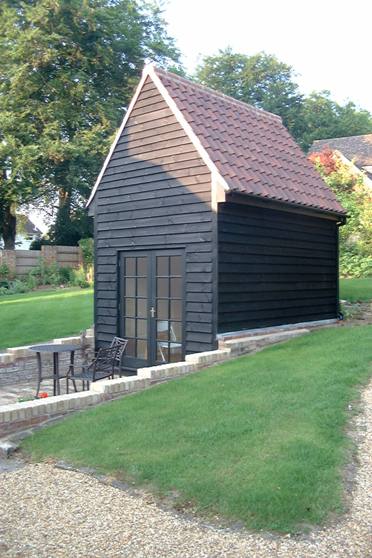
19 379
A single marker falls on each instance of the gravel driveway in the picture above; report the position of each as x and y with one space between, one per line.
49 512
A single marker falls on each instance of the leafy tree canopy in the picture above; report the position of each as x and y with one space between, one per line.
67 72
324 118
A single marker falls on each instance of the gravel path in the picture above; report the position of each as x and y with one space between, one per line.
46 512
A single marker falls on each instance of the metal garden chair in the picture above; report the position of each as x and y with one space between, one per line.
106 364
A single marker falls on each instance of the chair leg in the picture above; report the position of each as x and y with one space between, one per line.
67 390
39 378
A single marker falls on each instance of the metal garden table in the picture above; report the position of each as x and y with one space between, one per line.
55 349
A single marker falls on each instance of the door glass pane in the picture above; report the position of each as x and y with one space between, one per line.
130 305
130 327
130 287
142 328
130 349
142 266
162 329
135 323
162 310
142 307
176 287
130 266
175 352
141 348
162 351
162 290
176 309
175 265
162 265
175 331
141 286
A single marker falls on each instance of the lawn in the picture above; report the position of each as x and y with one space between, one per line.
43 315
356 290
260 439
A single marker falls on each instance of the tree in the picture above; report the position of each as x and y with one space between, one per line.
260 80
67 72
324 118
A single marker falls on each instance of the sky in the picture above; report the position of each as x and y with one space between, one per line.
328 42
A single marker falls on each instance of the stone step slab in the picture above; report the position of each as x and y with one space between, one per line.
251 343
209 357
120 385
166 371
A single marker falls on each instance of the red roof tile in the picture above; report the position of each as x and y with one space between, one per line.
251 148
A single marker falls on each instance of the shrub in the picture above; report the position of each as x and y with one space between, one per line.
17 287
66 275
31 282
79 278
46 274
356 198
87 248
355 264
4 271
38 243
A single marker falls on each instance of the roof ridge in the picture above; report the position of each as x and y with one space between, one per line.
342 137
223 96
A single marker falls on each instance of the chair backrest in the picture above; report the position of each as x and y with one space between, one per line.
120 344
104 362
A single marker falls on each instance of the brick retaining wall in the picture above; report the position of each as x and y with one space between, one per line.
19 416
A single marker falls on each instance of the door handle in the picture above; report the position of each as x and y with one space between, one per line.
152 312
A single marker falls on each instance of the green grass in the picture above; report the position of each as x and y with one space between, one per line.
356 290
43 315
259 439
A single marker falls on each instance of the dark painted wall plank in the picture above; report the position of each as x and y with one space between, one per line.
275 267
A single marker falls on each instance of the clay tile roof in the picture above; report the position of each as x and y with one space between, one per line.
354 148
251 148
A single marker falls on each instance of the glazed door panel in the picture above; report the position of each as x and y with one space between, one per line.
151 307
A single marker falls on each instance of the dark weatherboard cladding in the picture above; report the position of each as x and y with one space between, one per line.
275 267
208 219
155 193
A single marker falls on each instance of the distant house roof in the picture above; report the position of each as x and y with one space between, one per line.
251 149
355 148
29 227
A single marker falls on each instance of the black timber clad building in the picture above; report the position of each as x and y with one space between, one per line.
208 219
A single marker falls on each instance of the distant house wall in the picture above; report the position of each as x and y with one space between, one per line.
24 241
275 267
21 262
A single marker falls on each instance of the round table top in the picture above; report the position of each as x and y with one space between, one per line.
54 348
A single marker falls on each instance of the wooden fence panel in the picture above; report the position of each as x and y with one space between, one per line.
26 260
21 262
